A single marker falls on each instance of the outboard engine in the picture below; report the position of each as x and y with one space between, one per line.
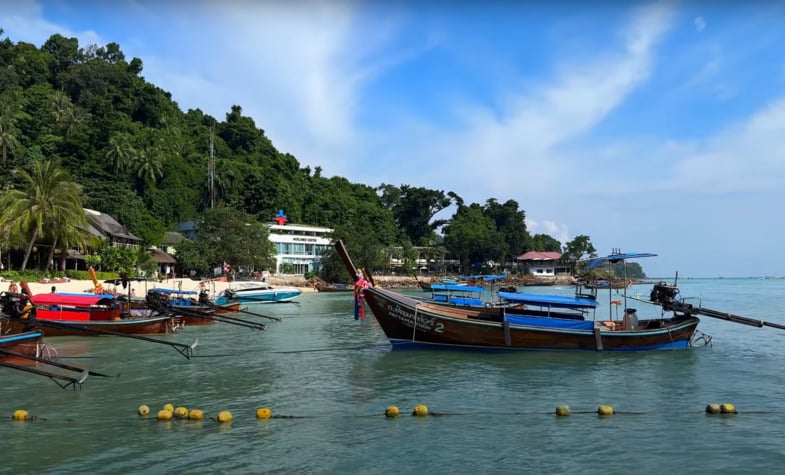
664 294
14 305
157 299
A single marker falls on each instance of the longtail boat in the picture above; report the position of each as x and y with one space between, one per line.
411 323
74 314
20 351
19 313
76 307
27 343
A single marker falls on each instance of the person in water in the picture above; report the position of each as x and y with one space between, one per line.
360 284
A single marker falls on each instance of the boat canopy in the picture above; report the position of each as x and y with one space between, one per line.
85 294
617 257
456 288
556 301
487 278
74 300
162 290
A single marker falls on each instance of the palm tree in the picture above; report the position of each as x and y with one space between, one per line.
148 164
66 115
120 152
67 235
49 199
8 133
11 110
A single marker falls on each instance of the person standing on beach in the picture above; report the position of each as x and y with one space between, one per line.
12 288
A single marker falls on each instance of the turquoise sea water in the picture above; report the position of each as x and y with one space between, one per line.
335 377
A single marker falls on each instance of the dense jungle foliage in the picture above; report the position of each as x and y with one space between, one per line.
135 155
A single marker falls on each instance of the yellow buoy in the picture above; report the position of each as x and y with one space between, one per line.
21 415
143 410
563 410
164 415
224 416
420 410
392 411
181 413
196 415
168 407
728 408
264 413
605 410
713 408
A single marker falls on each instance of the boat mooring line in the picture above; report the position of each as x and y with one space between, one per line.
419 412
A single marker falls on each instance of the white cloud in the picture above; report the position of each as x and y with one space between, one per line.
745 157
23 20
700 24
551 228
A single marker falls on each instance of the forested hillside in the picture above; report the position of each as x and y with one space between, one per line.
143 160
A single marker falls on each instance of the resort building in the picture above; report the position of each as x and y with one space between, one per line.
299 247
104 226
543 263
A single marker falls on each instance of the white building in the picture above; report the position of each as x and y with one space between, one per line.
300 245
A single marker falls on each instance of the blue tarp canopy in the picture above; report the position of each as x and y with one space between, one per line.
487 278
161 290
617 257
550 322
456 288
556 301
85 294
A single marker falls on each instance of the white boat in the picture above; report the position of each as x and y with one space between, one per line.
256 292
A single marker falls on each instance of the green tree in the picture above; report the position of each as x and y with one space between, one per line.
579 247
545 242
120 153
228 235
48 196
511 224
148 164
11 112
472 237
414 209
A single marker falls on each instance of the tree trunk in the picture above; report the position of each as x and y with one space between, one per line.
29 249
51 258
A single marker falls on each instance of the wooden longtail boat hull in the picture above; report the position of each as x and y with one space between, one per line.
227 308
409 323
128 326
25 343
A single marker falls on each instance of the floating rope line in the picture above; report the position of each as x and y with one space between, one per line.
420 411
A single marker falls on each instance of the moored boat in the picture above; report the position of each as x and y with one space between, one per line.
411 323
12 343
256 292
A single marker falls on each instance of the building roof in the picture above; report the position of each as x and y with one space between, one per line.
161 257
108 226
540 256
172 238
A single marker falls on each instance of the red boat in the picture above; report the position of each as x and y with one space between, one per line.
76 308
77 314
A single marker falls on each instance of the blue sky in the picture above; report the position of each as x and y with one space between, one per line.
654 127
